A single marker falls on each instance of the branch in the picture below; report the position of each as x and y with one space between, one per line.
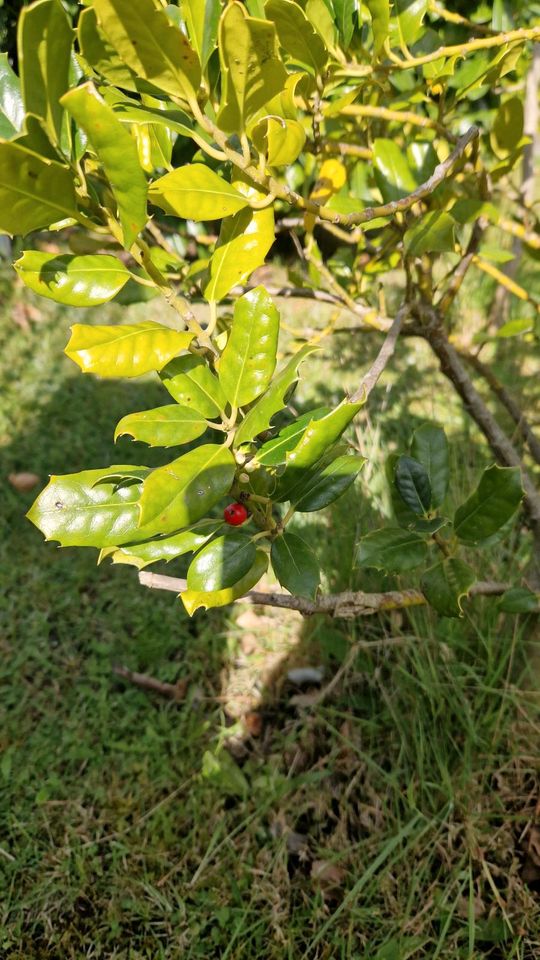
400 116
347 605
175 691
382 358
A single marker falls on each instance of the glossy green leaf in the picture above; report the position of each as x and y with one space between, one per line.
344 11
295 565
141 555
412 482
280 140
322 488
83 281
244 242
168 426
297 35
117 152
392 172
221 563
249 359
147 41
191 382
380 23
129 111
99 54
34 192
44 42
274 451
519 600
406 21
125 350
183 491
405 517
320 435
392 549
251 71
193 599
11 103
202 19
260 416
79 511
195 192
430 448
492 504
446 584
433 233
321 15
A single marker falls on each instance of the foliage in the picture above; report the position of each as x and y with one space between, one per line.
147 120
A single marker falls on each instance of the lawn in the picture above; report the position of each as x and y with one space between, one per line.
389 816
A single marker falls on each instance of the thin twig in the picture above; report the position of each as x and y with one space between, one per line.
175 691
383 356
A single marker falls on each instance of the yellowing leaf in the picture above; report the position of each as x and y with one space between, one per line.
126 350
281 140
195 192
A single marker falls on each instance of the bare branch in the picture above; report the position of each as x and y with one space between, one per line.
175 691
347 605
383 356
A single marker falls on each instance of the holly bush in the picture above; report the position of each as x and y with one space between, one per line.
385 138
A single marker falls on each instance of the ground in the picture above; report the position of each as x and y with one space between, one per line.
389 816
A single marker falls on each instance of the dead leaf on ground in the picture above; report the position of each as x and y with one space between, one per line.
23 481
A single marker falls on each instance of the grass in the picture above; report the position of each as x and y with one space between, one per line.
388 822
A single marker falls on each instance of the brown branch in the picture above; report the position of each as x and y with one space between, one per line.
382 358
507 401
175 691
347 605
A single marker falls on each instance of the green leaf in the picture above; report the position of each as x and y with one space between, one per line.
34 192
183 491
202 18
430 448
147 41
44 42
191 382
244 242
492 504
259 417
406 21
392 172
297 35
433 233
193 599
412 483
344 16
446 584
222 563
404 515
249 359
78 281
519 600
514 328
251 71
507 128
125 350
117 152
295 565
280 140
195 192
129 111
380 23
80 511
98 53
11 103
319 437
392 550
274 451
141 555
322 488
168 426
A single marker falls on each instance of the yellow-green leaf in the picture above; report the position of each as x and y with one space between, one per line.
80 281
125 350
281 140
202 18
100 55
34 192
193 599
147 41
195 192
297 35
140 555
249 359
191 382
44 43
244 242
167 426
117 152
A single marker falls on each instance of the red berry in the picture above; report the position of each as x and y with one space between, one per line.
235 514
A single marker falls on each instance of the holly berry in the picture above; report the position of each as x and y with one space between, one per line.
235 514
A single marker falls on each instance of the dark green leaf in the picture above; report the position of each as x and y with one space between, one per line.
320 435
193 599
392 550
249 359
380 23
412 483
321 489
430 448
492 504
519 600
168 426
392 172
274 451
445 585
221 563
11 104
295 565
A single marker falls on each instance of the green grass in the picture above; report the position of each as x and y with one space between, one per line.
385 823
